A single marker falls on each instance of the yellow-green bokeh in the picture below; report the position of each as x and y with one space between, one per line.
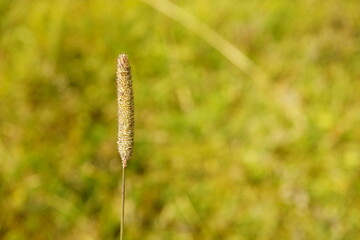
216 156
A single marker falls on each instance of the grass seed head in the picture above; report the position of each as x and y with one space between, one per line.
125 101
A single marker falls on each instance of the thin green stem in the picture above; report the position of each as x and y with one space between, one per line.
122 203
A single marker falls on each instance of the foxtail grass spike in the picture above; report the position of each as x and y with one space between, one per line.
125 101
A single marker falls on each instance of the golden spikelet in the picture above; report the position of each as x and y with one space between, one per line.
125 101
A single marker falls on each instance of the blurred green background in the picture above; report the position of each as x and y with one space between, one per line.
221 152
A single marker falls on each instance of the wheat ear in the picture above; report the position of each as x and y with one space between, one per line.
125 100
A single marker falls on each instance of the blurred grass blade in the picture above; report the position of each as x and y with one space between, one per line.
233 54
228 50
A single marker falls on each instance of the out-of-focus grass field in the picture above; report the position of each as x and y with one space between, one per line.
218 155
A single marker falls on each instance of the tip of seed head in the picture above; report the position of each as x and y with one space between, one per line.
123 61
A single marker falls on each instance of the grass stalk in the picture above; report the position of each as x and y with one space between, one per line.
122 203
125 100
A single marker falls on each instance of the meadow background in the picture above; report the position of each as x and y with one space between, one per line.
221 152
